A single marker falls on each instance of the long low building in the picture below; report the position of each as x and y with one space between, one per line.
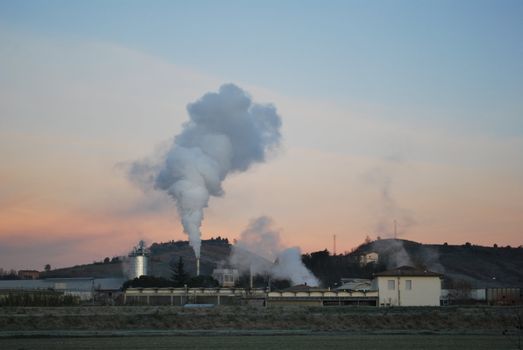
83 287
183 296
322 298
238 296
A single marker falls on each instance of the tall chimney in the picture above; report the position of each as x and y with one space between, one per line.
197 266
395 229
250 277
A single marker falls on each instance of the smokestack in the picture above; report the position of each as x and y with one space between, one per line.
250 277
197 266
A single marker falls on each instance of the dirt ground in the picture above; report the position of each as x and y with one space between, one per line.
382 342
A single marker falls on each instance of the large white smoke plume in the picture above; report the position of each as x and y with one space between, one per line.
226 133
259 250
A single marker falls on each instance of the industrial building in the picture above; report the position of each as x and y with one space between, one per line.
226 277
355 284
321 297
490 296
183 296
85 288
404 286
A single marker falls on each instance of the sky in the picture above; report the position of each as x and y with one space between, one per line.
392 110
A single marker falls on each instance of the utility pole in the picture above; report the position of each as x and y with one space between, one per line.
334 241
395 229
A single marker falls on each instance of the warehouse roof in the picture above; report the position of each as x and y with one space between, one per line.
408 271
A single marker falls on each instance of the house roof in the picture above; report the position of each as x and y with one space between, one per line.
408 271
355 284
301 288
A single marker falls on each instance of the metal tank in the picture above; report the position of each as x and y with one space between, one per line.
138 261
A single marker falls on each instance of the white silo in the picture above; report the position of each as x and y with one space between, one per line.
138 260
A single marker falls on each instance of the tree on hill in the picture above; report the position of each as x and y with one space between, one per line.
329 269
202 282
148 282
179 277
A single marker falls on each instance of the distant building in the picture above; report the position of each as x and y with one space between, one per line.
408 286
85 288
28 274
355 284
226 277
368 258
504 296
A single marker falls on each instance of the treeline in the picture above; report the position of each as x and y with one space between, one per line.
107 260
329 269
47 298
162 247
259 281
8 275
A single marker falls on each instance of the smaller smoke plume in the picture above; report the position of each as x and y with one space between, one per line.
430 258
260 251
396 253
389 211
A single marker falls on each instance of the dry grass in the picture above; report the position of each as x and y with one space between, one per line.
336 319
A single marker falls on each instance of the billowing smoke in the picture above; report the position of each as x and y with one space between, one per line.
260 251
226 133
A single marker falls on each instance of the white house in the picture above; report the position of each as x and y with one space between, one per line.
408 286
368 258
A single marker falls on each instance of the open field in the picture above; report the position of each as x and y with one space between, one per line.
457 320
278 342
146 327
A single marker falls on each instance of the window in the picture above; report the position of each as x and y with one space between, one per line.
408 284
228 278
391 284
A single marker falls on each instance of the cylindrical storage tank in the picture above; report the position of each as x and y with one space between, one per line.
137 266
138 261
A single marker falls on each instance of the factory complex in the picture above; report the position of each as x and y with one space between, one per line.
402 286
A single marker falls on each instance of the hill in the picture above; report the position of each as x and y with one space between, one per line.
479 266
213 252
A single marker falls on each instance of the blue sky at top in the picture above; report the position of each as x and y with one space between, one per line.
449 64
